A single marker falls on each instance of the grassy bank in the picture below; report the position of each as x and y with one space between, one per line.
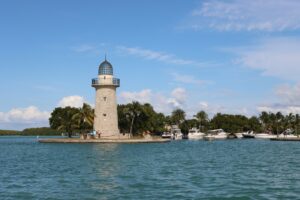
31 132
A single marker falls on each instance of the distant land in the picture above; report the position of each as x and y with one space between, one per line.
31 132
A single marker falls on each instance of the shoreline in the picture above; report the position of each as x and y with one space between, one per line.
76 140
286 139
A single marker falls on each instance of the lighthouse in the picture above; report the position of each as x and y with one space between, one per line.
106 115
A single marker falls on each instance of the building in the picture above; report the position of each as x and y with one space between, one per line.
106 115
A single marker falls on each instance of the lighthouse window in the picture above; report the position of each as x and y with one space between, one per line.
104 98
104 115
104 77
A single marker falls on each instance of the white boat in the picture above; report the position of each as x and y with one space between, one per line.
287 134
216 134
166 135
176 133
238 135
195 134
248 134
264 136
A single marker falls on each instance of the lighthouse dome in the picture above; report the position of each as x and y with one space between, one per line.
105 68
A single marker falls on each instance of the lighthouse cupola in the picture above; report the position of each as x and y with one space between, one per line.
105 68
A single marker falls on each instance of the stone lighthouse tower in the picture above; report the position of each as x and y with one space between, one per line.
106 116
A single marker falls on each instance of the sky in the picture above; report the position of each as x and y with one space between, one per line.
228 56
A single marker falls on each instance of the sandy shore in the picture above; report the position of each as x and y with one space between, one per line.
76 140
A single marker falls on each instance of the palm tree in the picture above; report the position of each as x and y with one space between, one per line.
297 124
202 118
84 117
265 119
178 116
279 122
133 111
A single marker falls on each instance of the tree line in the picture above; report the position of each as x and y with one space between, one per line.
31 132
137 118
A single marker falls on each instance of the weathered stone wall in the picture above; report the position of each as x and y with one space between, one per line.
106 116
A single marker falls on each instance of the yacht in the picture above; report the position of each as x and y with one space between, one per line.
195 134
238 135
216 134
166 135
288 133
176 133
248 134
264 136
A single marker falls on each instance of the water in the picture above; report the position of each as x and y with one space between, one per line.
231 169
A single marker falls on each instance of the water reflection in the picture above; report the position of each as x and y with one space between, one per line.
107 166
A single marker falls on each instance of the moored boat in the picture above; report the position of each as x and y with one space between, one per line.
264 136
238 135
288 134
176 133
216 134
166 135
195 134
248 135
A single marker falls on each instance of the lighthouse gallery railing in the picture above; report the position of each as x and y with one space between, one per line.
106 81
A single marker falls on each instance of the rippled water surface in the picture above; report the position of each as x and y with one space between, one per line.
229 169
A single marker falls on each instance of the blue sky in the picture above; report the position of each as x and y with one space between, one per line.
229 56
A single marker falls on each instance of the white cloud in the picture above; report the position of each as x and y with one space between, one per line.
178 98
285 109
158 56
210 109
143 96
32 116
160 102
278 57
289 97
289 94
29 115
253 15
72 101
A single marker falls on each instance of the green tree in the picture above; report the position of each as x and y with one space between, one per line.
178 116
254 124
137 118
297 124
62 119
265 119
84 118
202 119
187 125
230 123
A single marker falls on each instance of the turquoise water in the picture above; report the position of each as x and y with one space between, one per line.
229 169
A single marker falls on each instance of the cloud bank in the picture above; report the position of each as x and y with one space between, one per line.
72 101
289 96
32 116
277 57
161 102
241 15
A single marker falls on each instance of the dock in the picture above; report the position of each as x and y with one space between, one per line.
77 140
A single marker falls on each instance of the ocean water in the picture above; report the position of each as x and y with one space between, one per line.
229 169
